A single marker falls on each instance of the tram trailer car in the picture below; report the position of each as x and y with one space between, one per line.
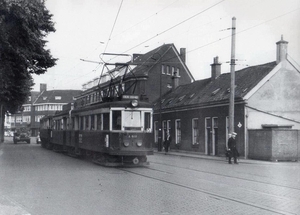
117 133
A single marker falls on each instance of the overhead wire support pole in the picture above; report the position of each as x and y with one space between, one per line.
232 80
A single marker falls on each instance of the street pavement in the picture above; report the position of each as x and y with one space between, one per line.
37 181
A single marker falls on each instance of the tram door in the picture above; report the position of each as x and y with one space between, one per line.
211 136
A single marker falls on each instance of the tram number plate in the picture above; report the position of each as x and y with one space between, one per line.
132 136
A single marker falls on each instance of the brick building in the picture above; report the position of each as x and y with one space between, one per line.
196 114
152 74
39 104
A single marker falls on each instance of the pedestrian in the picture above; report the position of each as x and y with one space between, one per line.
167 142
233 152
227 149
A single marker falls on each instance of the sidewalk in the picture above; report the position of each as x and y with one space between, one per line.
199 155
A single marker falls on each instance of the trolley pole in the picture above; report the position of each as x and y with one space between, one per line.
232 82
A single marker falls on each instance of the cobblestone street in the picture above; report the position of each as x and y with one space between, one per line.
38 181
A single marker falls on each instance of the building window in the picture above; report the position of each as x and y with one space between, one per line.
164 129
26 119
168 70
57 97
29 98
27 108
156 131
162 69
44 98
37 118
177 71
173 70
195 126
177 131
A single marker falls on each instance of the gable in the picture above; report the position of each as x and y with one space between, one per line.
279 95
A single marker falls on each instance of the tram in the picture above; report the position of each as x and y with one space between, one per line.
112 130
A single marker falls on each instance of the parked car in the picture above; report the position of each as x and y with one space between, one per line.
21 137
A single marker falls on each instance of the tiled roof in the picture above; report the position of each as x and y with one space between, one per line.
147 60
65 95
209 91
33 95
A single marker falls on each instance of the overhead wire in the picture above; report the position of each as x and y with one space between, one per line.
113 26
97 67
145 19
174 26
242 31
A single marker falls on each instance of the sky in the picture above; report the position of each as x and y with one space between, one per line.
85 29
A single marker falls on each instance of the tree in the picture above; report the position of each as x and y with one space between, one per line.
24 25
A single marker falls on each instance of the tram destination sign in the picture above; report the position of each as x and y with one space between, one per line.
128 97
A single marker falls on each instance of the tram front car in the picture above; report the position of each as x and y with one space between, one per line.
115 133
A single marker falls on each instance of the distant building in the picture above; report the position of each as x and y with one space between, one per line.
196 114
40 104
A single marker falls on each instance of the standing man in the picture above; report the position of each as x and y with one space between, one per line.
167 142
233 152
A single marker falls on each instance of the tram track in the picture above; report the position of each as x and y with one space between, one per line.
211 194
227 176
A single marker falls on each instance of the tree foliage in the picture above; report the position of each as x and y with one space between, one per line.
24 25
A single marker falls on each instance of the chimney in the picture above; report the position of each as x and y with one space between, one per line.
43 87
215 68
183 54
281 50
175 81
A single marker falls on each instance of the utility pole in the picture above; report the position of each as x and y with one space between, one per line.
232 82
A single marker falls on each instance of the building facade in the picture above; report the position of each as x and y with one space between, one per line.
196 114
39 104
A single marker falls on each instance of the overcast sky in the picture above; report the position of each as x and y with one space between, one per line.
84 29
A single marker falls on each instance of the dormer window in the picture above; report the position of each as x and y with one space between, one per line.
57 97
180 98
44 98
215 91
170 101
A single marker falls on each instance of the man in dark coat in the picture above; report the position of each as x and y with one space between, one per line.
233 152
167 142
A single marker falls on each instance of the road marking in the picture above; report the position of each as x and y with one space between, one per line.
8 206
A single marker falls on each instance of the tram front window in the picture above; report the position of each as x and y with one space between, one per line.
132 120
116 120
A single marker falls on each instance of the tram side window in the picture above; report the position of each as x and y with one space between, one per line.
106 121
116 120
93 122
81 123
87 123
147 125
99 121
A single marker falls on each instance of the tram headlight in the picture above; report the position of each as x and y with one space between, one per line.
139 144
134 103
126 144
